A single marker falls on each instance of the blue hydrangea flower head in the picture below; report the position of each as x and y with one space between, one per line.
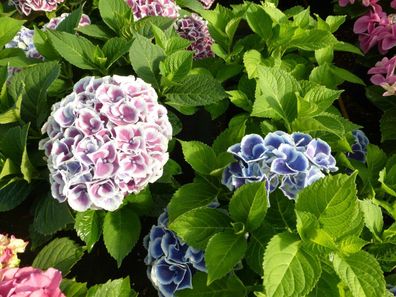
171 262
293 161
359 148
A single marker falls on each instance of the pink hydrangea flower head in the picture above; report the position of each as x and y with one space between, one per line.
27 6
208 3
195 29
29 281
9 247
143 8
383 74
107 139
54 22
344 3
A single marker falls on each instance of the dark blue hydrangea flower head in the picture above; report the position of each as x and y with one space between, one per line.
359 148
171 261
294 161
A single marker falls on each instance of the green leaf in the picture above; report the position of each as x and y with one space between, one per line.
249 205
346 75
14 57
317 100
310 40
13 194
13 114
96 31
88 226
8 28
44 45
281 214
259 21
61 253
70 22
145 58
223 252
121 230
76 50
288 269
388 122
113 288
195 90
32 83
228 286
335 21
72 288
385 253
144 25
347 47
335 204
188 197
115 48
197 225
252 60
51 216
276 94
328 282
177 65
362 274
372 216
116 14
258 240
200 156
351 244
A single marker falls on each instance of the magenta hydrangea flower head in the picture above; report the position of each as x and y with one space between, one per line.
383 74
26 6
106 139
195 29
54 22
143 8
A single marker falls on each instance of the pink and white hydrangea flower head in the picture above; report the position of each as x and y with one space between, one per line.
107 139
195 29
27 6
9 247
143 8
54 22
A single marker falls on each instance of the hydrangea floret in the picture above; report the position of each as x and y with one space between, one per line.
383 74
290 161
143 8
171 262
24 40
106 139
195 29
27 6
207 3
29 281
359 148
9 247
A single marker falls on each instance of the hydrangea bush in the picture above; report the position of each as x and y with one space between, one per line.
243 120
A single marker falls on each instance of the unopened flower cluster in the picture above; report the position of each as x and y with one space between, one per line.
108 138
171 262
9 248
195 29
29 281
293 161
27 6
359 148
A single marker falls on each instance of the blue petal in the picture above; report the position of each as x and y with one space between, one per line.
301 139
279 166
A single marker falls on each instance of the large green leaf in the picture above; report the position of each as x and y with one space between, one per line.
223 252
197 225
76 50
13 194
361 273
121 231
317 100
88 226
71 22
372 216
310 40
61 253
385 254
72 288
177 65
328 282
8 28
115 48
225 287
190 196
249 205
195 90
113 288
259 21
200 156
116 14
32 83
145 58
332 200
289 270
51 216
275 96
